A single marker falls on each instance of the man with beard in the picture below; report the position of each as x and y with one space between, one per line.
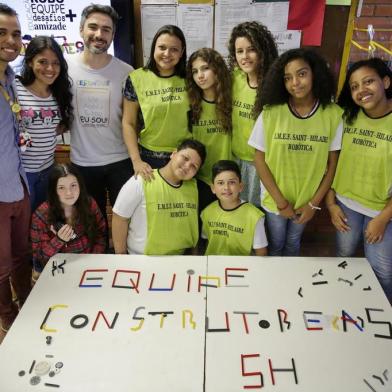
14 197
97 146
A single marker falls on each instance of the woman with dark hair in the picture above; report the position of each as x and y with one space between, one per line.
252 50
209 90
157 92
297 138
69 221
360 201
44 95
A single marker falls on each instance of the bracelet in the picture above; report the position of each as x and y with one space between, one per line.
313 207
281 209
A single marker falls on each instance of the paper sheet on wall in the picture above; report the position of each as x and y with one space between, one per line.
228 14
285 40
154 17
273 14
196 21
156 2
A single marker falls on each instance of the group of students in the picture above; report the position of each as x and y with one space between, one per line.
263 120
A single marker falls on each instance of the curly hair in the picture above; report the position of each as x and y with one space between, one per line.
274 91
222 87
176 32
61 87
82 205
263 42
345 99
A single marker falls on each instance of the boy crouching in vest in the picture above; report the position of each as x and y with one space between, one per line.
232 226
159 217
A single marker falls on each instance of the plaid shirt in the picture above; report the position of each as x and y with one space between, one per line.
46 244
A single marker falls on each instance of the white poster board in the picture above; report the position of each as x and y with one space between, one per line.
297 324
115 324
121 323
60 19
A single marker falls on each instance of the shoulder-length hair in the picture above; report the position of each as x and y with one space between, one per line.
82 205
265 46
61 87
180 66
274 91
222 87
345 99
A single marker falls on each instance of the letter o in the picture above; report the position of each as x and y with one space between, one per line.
76 325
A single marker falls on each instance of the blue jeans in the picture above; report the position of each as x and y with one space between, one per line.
105 180
38 187
284 235
379 255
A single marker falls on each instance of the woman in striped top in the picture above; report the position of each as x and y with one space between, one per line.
44 95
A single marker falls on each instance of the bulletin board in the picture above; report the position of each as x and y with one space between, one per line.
188 323
208 23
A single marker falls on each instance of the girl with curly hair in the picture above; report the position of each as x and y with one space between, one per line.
360 201
209 90
252 50
155 101
297 138
69 221
44 94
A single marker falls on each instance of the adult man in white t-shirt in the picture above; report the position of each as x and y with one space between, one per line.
97 146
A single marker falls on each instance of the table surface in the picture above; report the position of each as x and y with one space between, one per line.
194 323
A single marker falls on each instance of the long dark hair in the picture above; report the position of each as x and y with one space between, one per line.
61 87
345 99
176 32
274 91
222 87
82 205
263 42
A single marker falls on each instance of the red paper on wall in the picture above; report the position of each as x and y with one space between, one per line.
308 16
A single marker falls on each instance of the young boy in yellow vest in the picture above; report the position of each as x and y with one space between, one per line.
159 217
231 226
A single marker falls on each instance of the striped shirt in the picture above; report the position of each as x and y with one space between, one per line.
40 117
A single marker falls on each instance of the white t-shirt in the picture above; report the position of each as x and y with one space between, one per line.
131 204
96 132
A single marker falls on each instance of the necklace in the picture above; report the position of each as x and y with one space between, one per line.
15 107
306 115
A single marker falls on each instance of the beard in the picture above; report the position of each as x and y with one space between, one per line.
92 49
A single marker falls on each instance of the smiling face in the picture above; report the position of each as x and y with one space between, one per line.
10 38
368 90
185 164
97 33
204 76
227 188
46 67
167 53
68 190
298 80
246 56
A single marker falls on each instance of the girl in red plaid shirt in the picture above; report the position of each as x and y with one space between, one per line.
69 221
